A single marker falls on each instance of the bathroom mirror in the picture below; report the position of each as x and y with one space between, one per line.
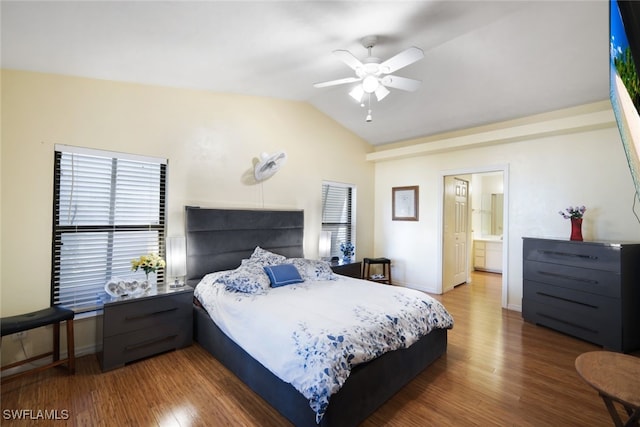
491 210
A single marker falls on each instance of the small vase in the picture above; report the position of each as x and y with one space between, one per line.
576 229
150 281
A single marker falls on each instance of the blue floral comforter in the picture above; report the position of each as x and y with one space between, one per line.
312 334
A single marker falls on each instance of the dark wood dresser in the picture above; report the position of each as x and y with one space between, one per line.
590 290
138 327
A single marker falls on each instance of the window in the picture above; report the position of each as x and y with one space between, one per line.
108 209
338 213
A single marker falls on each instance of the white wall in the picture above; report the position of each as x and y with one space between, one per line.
211 140
549 170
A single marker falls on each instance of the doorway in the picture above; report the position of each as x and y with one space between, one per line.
476 218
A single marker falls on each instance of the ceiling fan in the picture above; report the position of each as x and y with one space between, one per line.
375 75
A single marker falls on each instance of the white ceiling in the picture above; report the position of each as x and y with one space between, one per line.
485 61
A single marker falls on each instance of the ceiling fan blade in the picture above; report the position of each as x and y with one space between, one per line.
348 58
337 82
381 92
402 83
404 58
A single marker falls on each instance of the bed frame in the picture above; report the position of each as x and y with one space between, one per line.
218 239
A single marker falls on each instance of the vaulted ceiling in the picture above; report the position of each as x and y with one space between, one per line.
485 61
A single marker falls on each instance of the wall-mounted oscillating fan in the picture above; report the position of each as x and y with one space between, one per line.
268 165
375 75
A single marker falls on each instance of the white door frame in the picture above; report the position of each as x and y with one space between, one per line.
504 168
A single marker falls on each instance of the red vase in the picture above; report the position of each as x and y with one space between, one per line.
576 229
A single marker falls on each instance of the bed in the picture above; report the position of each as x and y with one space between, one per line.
218 240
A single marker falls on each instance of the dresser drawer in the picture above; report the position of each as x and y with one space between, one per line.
120 349
145 312
591 317
597 282
576 254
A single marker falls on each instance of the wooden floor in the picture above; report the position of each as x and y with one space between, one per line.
498 371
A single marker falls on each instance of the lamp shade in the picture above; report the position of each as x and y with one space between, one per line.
324 246
176 257
357 93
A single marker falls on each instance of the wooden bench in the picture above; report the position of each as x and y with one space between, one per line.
48 316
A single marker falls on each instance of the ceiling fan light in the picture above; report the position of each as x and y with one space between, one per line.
370 84
357 93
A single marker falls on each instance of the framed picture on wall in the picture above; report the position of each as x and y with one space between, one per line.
404 203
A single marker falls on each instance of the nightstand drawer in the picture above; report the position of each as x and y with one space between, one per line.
135 328
165 336
145 312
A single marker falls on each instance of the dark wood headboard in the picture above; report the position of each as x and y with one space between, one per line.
218 239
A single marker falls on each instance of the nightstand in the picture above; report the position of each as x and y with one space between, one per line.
132 328
352 269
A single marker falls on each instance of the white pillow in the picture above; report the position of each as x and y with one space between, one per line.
264 257
249 278
311 269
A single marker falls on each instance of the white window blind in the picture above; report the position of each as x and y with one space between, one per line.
108 209
338 214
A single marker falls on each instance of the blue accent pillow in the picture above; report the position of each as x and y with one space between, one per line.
282 274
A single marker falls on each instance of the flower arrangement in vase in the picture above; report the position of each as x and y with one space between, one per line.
347 250
575 214
150 263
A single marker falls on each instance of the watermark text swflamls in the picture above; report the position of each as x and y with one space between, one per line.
35 414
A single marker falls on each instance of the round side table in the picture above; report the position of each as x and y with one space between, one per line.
616 377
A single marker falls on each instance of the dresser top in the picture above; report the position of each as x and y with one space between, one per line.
610 243
154 291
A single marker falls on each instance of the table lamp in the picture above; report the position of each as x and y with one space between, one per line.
324 246
176 260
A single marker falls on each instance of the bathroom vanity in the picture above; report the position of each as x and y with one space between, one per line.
487 255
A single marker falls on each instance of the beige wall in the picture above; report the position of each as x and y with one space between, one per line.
553 161
210 139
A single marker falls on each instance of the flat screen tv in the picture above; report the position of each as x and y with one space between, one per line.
624 89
